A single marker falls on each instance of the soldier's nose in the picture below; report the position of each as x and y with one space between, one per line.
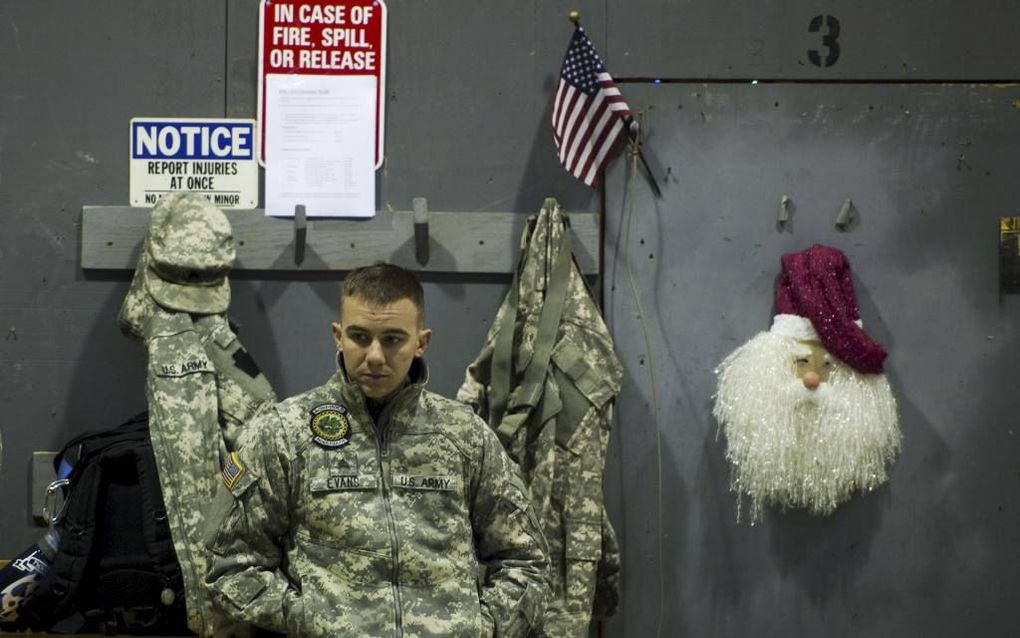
811 380
375 353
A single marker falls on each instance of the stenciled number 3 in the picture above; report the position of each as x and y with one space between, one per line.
828 40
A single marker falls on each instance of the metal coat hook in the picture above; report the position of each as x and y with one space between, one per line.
421 229
300 233
783 216
845 218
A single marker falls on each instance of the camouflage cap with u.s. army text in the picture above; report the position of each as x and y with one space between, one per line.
190 249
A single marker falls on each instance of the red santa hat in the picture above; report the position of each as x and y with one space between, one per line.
815 300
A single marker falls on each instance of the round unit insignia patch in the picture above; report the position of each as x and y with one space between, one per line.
330 425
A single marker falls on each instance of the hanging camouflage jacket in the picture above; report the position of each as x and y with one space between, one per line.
545 381
201 386
416 524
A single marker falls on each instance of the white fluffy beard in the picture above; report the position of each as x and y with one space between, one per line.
794 448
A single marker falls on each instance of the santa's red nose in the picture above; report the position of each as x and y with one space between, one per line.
811 380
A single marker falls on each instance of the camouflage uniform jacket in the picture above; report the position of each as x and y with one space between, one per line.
564 418
201 386
415 524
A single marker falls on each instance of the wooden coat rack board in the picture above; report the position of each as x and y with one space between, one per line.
422 240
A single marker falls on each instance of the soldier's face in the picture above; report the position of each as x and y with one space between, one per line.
379 343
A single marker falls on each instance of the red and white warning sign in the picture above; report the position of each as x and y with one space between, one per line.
323 38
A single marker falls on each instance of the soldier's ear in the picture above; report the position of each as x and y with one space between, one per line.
424 336
338 332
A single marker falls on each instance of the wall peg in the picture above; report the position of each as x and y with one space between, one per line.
300 233
783 216
420 205
458 242
846 217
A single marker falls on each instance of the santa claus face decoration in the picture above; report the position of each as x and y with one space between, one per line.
804 429
813 367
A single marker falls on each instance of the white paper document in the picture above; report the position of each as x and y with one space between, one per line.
320 145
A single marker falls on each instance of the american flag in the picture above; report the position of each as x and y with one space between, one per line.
232 470
589 114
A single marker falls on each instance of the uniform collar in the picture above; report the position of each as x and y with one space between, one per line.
415 382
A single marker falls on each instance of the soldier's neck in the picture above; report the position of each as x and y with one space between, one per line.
376 406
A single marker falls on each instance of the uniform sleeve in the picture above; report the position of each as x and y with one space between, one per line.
474 390
607 582
509 542
246 523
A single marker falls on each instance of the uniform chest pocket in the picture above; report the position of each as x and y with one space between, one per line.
433 522
429 464
342 503
431 489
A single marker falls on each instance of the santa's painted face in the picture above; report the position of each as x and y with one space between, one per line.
803 429
812 367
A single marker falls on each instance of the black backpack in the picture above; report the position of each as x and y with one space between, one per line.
115 569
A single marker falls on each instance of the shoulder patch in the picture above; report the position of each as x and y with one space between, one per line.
232 471
182 367
330 425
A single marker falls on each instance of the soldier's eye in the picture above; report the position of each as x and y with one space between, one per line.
801 361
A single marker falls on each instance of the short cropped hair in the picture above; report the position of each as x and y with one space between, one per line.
382 284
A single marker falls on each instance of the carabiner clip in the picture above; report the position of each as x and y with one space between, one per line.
51 491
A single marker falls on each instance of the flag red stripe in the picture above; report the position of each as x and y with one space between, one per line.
557 103
610 135
571 129
584 135
594 135
605 156
570 98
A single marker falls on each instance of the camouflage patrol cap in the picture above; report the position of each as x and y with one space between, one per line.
190 250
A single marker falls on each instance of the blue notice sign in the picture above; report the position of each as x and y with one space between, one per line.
192 139
214 157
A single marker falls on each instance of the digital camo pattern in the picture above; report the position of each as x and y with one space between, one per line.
186 441
561 448
242 390
201 387
190 250
198 399
138 307
419 525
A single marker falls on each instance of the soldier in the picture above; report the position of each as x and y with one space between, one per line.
371 507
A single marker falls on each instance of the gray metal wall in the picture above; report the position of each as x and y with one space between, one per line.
929 165
934 553
467 106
